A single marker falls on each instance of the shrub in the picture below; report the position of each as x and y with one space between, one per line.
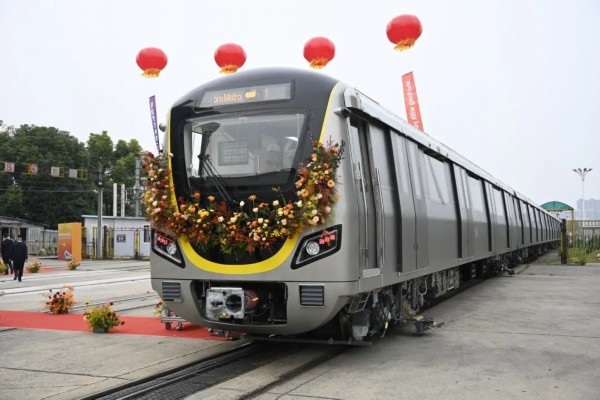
582 258
73 264
3 267
60 302
102 316
159 307
34 266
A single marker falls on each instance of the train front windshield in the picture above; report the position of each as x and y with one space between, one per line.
242 145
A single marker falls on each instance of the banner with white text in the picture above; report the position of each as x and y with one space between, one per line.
411 101
154 123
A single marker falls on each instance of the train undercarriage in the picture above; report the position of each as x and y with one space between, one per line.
366 316
369 315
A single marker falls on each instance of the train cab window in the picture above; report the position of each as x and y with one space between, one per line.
241 145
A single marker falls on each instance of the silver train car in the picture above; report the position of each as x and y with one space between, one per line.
412 220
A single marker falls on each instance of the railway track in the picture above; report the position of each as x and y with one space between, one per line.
283 360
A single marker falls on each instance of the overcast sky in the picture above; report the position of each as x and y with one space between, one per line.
511 85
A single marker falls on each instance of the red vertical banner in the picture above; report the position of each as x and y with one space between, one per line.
411 101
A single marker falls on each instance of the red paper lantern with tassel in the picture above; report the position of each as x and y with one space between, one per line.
151 60
403 31
230 57
318 51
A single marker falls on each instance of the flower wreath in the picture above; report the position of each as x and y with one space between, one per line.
245 227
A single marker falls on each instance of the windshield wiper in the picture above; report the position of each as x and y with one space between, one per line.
218 180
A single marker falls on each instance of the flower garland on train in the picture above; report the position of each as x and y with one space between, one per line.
251 224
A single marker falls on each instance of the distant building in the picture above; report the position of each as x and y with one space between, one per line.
40 240
592 209
124 237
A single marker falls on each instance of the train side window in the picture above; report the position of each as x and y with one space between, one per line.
412 158
436 178
476 190
400 161
463 175
499 202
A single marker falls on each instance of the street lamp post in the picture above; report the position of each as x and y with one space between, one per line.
100 185
582 173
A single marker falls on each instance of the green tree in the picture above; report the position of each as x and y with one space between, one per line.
61 188
48 198
11 202
100 147
115 164
125 155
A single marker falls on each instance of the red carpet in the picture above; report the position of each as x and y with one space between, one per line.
44 269
74 322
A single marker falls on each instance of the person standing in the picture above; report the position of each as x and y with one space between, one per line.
5 249
19 256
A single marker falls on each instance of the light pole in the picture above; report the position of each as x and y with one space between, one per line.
582 173
99 229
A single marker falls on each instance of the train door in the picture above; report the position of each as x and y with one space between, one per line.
360 149
421 229
527 238
491 216
465 216
500 220
520 224
386 201
512 220
480 232
408 222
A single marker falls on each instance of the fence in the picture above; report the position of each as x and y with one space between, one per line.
42 242
119 243
584 234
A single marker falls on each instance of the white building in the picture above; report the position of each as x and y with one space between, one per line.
124 237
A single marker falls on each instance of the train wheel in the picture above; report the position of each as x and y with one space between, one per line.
167 325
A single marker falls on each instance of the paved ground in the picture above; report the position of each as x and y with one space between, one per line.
531 336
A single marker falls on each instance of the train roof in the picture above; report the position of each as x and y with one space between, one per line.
259 75
377 111
366 105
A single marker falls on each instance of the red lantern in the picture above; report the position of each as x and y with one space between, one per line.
318 51
230 57
403 31
151 60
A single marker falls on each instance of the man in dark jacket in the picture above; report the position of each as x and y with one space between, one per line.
5 249
19 256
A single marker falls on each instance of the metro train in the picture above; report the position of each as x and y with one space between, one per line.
364 221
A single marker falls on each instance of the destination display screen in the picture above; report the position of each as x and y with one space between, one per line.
252 94
233 153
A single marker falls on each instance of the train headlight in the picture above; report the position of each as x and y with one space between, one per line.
318 245
167 248
312 248
172 248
